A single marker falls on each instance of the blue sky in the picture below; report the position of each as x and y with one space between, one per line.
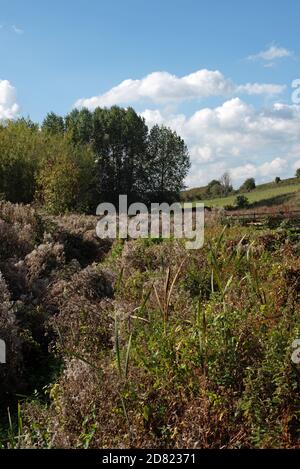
58 53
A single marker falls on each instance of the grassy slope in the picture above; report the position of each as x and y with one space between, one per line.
265 194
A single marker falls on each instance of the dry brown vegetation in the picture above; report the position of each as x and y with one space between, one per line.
143 343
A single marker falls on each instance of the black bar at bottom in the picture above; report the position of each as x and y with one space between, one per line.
140 458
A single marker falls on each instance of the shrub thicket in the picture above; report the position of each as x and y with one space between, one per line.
151 345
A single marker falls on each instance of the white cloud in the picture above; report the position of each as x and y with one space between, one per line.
223 138
261 88
17 30
163 88
273 52
270 65
234 136
296 165
8 106
268 169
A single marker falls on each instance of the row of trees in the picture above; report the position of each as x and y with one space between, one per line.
223 186
130 159
218 188
76 162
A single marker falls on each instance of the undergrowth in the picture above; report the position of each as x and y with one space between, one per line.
148 344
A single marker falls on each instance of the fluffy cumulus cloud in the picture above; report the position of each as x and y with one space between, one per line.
9 108
164 88
270 168
237 137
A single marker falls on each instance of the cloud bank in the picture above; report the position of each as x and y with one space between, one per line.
237 137
164 88
234 136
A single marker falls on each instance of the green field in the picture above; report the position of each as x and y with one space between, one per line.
269 195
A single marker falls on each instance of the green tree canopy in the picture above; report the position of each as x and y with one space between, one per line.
88 157
248 185
214 189
167 164
53 124
20 149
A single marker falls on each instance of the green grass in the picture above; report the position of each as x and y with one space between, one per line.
258 195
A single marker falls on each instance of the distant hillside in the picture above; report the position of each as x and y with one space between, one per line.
264 194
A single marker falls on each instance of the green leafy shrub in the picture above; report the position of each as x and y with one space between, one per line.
241 201
65 178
